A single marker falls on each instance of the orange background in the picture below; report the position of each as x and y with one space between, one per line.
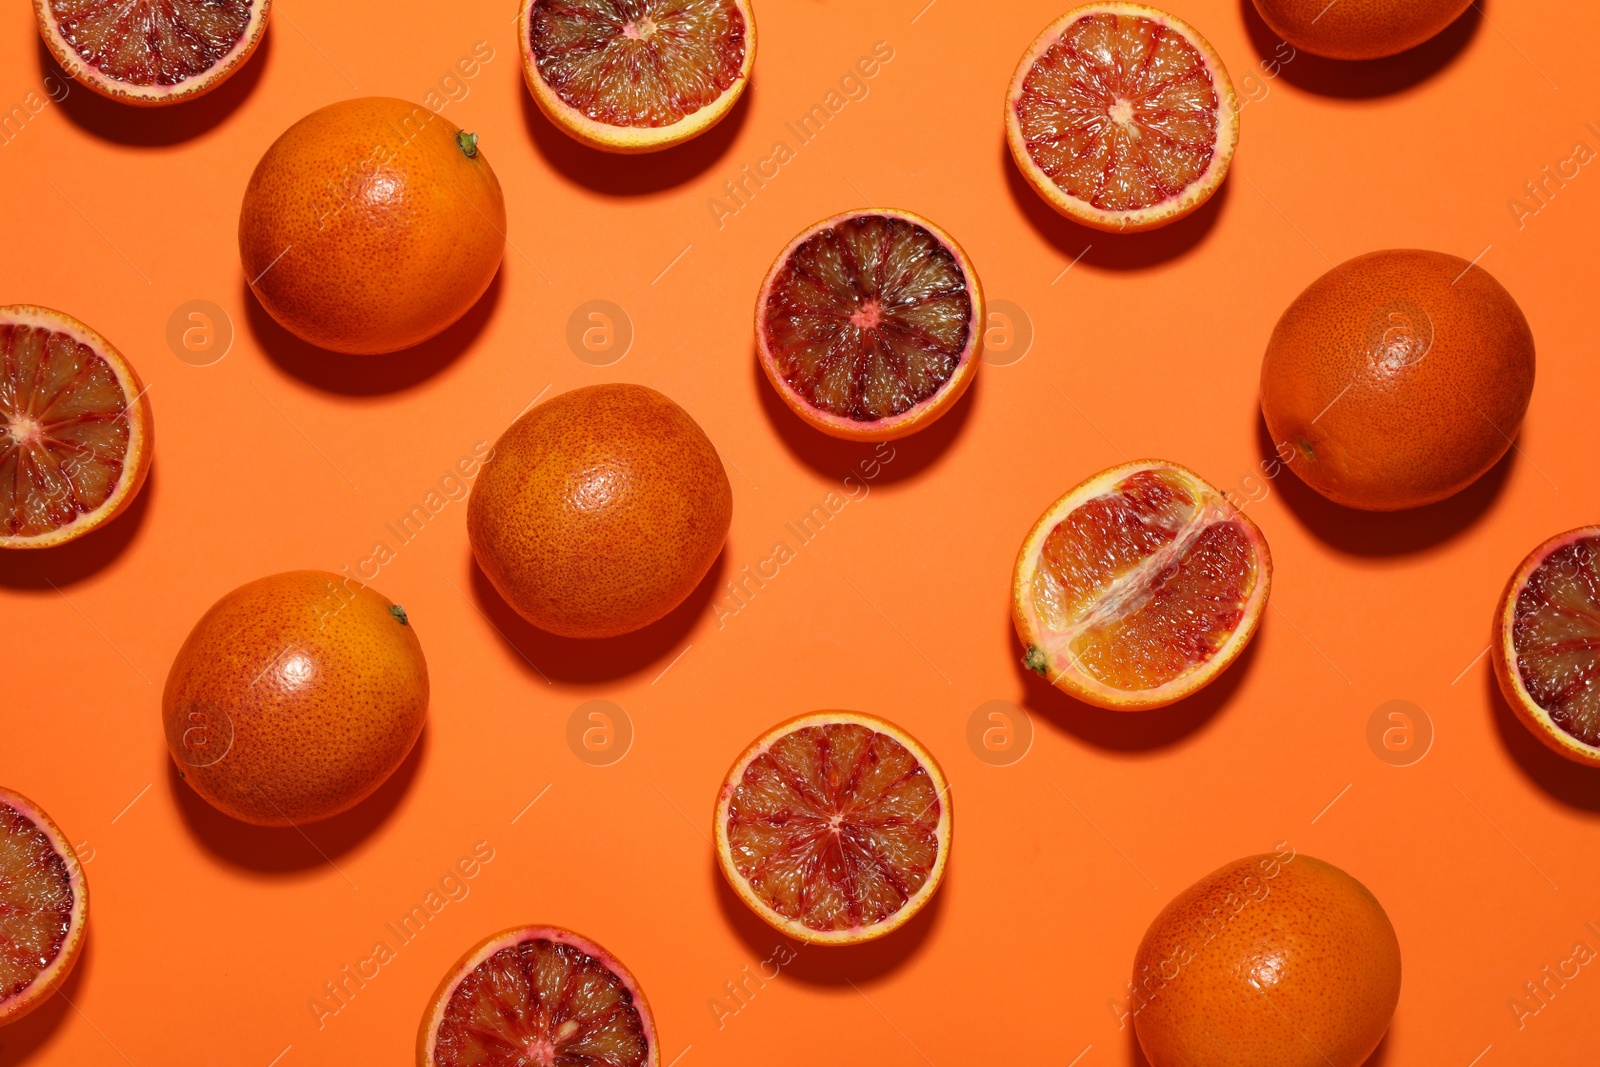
209 941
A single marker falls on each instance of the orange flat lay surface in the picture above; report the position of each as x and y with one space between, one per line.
212 942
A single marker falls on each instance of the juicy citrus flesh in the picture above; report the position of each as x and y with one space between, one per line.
1555 634
869 317
835 826
152 42
1144 583
638 62
36 903
1120 112
541 1003
64 431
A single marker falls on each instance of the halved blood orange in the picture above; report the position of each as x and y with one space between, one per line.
1122 117
44 906
538 996
74 429
1139 587
834 827
636 75
870 324
1547 644
152 52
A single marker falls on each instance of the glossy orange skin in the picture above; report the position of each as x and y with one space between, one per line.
294 698
366 228
1301 969
1359 29
600 511
1366 421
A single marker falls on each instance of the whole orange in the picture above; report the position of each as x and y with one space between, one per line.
371 225
1359 29
1279 960
600 511
1397 379
295 697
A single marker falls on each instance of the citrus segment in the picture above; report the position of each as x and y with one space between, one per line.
869 324
1122 117
1139 586
43 906
636 75
834 827
74 429
151 52
538 996
1548 644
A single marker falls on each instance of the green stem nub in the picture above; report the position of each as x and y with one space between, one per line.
1034 659
400 614
468 143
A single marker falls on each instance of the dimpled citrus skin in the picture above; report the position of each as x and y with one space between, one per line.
294 698
600 511
1359 29
367 229
1302 969
1390 384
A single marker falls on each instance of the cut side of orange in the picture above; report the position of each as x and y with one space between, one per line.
538 996
1547 644
870 324
74 429
152 52
636 75
44 906
834 827
1139 587
1122 117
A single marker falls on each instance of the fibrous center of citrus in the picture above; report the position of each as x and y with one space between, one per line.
1142 584
835 826
541 1003
152 42
638 62
869 317
1556 636
36 900
64 434
1120 112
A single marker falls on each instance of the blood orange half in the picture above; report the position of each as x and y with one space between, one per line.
538 996
636 75
834 827
152 52
870 324
1122 117
1547 644
44 906
1139 587
74 429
